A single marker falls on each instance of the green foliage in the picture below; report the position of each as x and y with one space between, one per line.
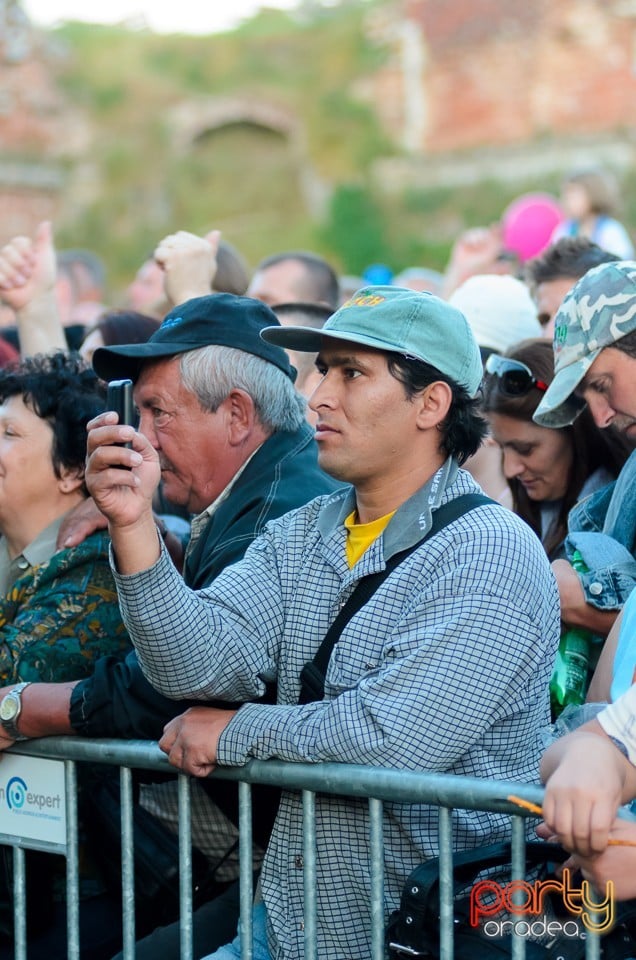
356 229
249 180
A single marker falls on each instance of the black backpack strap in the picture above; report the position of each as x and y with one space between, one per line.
312 677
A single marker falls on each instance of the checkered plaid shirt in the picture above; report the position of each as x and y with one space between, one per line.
446 669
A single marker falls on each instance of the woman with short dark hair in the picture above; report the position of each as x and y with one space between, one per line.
58 609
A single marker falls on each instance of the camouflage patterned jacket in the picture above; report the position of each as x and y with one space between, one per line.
61 616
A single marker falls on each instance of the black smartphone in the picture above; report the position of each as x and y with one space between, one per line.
120 399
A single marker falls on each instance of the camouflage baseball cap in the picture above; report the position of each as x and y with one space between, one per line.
598 311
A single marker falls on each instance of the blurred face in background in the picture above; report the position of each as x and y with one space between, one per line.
282 282
538 457
549 296
147 287
576 201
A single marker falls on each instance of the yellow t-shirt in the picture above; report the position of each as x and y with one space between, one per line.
360 536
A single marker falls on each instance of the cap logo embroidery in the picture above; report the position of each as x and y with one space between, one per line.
368 300
560 335
171 322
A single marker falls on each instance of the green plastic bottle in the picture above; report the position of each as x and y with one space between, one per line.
569 678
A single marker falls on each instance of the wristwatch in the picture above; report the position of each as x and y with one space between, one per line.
10 710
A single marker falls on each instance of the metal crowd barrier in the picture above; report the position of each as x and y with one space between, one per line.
375 784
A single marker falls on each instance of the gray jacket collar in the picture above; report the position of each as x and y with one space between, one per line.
412 520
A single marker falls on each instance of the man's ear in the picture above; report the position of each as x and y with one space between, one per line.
70 479
434 402
241 416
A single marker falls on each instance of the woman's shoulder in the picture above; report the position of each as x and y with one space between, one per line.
78 565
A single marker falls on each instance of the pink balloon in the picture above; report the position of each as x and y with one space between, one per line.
529 222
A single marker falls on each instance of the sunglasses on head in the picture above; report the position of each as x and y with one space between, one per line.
515 378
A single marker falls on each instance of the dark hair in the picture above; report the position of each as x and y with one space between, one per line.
232 274
321 285
124 326
304 314
568 257
62 390
592 448
626 344
464 428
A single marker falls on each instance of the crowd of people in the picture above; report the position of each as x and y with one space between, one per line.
400 477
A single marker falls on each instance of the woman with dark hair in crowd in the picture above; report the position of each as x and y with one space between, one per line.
547 470
58 608
117 326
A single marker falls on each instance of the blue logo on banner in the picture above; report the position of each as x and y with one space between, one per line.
16 793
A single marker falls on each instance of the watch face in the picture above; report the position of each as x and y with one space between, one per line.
8 707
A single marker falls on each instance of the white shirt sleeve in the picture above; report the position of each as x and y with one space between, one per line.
618 720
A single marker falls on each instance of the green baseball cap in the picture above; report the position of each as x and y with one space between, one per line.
397 320
599 310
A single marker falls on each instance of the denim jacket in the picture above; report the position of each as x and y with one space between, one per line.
603 529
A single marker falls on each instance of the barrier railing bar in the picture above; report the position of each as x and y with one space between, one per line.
72 862
9 840
351 779
376 845
592 946
246 876
185 867
354 780
309 873
127 863
19 903
518 872
446 928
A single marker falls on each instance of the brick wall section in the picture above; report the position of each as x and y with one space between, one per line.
501 73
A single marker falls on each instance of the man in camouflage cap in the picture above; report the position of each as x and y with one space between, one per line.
595 364
595 351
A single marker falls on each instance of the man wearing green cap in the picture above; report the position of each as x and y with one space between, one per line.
595 364
444 668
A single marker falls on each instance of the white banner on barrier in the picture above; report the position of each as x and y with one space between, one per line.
32 798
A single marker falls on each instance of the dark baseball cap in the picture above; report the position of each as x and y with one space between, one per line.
221 319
